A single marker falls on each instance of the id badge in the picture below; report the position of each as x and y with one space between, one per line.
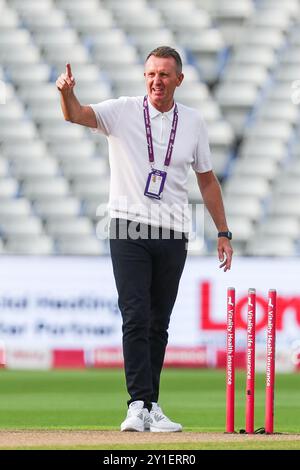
155 183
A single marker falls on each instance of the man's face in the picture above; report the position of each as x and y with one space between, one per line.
161 80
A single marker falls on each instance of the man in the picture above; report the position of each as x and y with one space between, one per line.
153 141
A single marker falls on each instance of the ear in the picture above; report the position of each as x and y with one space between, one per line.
180 79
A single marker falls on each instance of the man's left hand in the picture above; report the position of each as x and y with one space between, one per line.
225 253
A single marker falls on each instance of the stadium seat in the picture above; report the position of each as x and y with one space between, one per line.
41 21
32 168
14 130
285 112
81 245
271 246
65 207
62 132
247 186
91 92
50 114
8 19
17 150
187 91
48 39
91 189
290 6
252 74
90 206
146 41
208 49
21 225
30 245
193 20
294 36
236 100
265 129
294 169
86 23
256 167
31 6
281 226
266 148
66 151
210 111
285 205
129 89
15 207
12 111
242 227
270 37
78 6
69 226
85 169
117 58
39 93
231 17
119 5
39 72
291 56
3 168
14 38
106 38
245 205
288 185
8 187
280 91
221 161
45 188
220 135
272 18
85 73
27 54
58 55
258 55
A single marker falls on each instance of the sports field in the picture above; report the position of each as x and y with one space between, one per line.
83 409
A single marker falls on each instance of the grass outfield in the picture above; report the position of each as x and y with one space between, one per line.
95 400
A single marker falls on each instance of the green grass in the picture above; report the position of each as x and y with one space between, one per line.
277 445
96 399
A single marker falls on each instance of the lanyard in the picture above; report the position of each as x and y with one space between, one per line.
149 134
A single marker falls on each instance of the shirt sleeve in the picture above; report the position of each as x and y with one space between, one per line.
107 115
202 156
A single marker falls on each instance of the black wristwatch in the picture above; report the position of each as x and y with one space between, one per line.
225 234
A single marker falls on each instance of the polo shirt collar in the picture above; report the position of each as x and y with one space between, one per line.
153 112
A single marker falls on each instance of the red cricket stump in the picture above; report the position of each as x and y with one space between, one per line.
230 366
270 373
250 382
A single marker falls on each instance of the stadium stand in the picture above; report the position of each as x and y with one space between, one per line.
240 59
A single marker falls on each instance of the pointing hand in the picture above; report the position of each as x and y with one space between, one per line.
66 82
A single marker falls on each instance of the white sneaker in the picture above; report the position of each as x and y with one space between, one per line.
136 417
159 422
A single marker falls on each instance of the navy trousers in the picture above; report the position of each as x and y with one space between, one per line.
147 274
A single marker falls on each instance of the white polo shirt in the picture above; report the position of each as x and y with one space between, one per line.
122 122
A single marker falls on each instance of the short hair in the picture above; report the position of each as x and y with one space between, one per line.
166 51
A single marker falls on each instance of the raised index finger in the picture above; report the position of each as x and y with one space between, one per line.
68 70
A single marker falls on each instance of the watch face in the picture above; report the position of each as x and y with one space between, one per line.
225 234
